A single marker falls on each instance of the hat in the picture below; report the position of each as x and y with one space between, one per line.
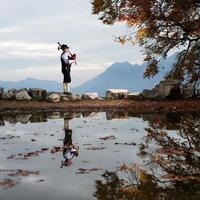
64 46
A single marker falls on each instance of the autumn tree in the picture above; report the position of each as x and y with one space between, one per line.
171 165
162 26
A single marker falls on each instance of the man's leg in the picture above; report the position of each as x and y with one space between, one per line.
66 82
65 87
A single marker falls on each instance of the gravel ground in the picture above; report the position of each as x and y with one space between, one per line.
134 106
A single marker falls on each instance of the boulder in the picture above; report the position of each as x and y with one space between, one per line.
23 89
169 89
116 93
72 97
135 95
75 97
23 95
88 96
37 93
64 97
189 91
1 92
10 94
53 98
151 94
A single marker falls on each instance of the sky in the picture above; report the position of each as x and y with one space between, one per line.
30 30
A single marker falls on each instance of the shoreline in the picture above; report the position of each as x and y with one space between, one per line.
124 105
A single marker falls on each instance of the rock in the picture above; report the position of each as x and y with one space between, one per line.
53 98
64 97
88 96
1 92
189 91
72 97
37 93
116 93
23 89
10 94
75 97
169 89
135 96
151 94
23 95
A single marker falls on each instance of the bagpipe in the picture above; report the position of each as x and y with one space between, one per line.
72 56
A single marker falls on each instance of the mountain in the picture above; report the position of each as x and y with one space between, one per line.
118 75
126 76
32 83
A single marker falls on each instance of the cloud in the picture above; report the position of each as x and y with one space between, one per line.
30 30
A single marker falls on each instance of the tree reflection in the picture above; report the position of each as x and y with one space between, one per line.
172 166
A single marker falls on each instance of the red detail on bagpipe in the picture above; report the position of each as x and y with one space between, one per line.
72 57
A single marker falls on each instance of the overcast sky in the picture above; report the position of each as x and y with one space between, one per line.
30 30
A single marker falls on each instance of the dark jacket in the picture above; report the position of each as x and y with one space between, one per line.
66 67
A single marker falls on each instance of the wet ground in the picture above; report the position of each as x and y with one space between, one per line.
119 156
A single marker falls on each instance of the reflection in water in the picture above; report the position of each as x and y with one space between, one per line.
172 165
168 153
116 115
69 150
40 117
2 123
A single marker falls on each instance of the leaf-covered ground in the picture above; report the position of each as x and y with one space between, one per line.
135 106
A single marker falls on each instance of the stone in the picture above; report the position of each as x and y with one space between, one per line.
1 92
151 94
23 95
75 97
88 96
135 96
10 94
189 91
64 97
116 93
53 98
37 93
23 89
72 97
169 89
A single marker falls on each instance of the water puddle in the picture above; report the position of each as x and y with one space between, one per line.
99 156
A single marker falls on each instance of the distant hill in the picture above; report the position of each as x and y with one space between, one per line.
124 75
118 75
32 83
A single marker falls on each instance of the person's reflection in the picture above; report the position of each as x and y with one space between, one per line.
69 150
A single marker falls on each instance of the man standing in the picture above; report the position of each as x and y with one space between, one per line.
66 62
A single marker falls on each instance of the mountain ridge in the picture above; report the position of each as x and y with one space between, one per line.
122 75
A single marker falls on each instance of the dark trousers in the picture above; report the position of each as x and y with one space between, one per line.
67 76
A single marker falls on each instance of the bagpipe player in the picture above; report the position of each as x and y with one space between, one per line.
67 59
